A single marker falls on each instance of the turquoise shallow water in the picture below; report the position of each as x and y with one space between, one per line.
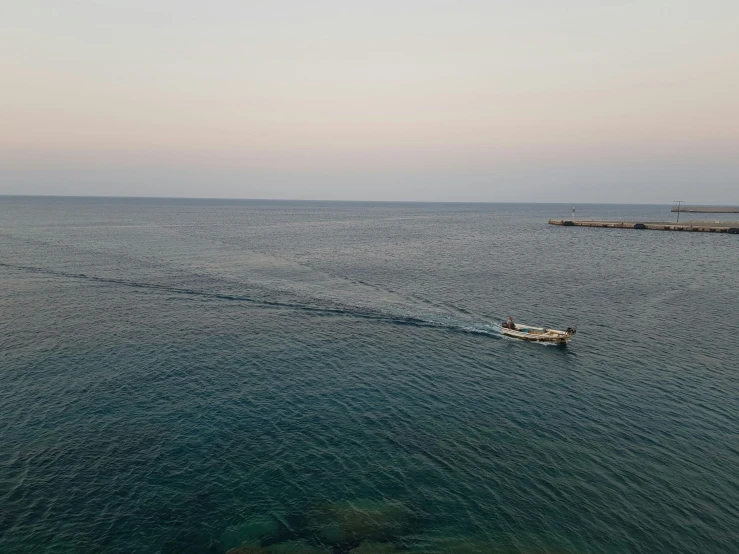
181 376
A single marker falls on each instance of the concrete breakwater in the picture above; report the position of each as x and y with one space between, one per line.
707 209
731 227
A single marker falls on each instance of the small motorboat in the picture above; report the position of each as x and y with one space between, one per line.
538 334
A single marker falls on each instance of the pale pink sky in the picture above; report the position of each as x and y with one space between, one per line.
434 100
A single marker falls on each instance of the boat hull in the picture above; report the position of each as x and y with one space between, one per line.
538 334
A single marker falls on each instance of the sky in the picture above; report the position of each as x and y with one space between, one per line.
429 100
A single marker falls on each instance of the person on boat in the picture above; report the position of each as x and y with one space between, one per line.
510 324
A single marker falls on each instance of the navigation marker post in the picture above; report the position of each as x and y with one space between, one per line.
678 209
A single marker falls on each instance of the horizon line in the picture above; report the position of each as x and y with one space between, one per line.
112 197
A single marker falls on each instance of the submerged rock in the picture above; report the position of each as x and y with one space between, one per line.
502 544
462 546
193 542
360 520
247 549
252 531
295 547
374 548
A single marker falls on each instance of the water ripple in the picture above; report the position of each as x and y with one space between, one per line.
174 378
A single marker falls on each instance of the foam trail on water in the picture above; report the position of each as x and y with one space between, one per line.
224 271
393 308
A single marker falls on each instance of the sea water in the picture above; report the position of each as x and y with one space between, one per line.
184 376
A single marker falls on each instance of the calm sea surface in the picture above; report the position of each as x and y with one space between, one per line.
183 376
